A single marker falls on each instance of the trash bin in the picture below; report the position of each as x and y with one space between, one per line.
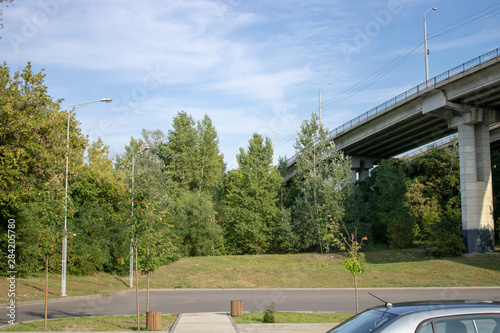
236 308
153 320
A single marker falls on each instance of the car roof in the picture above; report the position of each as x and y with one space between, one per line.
406 308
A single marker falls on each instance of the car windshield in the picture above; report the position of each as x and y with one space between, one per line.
365 322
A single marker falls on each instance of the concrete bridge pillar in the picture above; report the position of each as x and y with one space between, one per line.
475 181
360 167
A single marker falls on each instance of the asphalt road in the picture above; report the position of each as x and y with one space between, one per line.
219 300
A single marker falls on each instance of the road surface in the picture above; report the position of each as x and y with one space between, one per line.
254 300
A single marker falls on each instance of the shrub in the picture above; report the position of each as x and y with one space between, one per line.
447 240
269 314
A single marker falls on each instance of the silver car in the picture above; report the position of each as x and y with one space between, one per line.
426 317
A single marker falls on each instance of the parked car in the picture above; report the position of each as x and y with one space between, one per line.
426 317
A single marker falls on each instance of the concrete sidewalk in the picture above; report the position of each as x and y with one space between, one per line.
220 322
207 322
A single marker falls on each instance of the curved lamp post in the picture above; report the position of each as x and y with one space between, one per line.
132 215
426 50
71 108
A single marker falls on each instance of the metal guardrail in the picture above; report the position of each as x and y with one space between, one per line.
410 92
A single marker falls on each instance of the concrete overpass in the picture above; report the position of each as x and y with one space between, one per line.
465 99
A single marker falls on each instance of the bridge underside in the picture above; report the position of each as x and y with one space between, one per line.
467 104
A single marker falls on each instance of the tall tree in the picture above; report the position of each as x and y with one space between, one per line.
40 225
154 140
323 181
209 161
150 227
201 234
32 137
392 202
180 151
156 246
251 196
101 200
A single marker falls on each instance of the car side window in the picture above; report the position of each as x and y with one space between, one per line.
466 324
488 325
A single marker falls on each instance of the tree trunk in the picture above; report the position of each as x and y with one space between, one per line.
201 177
147 305
137 288
356 292
46 288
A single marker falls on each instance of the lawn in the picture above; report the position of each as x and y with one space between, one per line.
82 324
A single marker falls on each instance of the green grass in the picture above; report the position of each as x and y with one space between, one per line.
294 317
104 323
387 268
129 323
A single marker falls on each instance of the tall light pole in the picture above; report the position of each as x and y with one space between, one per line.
320 102
71 108
131 216
426 50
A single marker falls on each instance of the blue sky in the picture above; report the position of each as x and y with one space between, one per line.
253 66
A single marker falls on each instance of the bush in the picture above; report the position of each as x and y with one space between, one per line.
447 240
269 314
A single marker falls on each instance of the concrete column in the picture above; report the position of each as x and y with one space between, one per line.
361 166
354 175
476 187
364 173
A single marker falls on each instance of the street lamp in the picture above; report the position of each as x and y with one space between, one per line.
320 102
71 108
426 50
132 215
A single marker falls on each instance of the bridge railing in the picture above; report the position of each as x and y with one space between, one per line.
410 92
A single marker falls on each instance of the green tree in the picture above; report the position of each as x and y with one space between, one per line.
354 260
361 213
439 171
323 181
251 194
209 161
156 246
154 140
40 224
393 210
424 209
180 152
102 203
32 138
149 224
201 234
40 227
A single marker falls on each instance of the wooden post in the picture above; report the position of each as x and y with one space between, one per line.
153 321
46 288
236 308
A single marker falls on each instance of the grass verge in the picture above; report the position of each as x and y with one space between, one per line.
294 317
129 323
104 323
